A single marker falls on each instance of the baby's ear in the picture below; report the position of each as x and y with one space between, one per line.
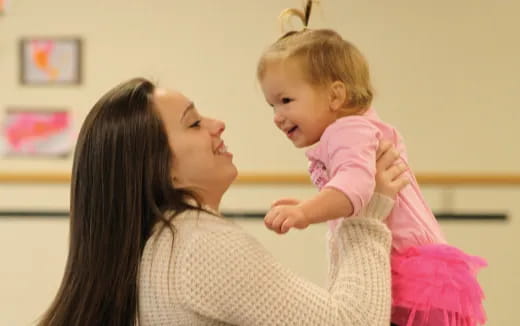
338 95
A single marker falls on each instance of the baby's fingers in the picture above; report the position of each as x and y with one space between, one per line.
277 223
286 226
269 218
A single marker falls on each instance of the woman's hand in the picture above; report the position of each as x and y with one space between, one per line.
389 178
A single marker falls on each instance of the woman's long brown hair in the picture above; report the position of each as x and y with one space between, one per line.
121 187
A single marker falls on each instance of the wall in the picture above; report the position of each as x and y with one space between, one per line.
446 74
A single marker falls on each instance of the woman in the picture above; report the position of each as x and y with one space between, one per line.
148 245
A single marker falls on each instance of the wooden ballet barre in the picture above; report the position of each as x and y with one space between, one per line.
35 178
422 178
439 179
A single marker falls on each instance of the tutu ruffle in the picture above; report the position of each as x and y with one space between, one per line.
436 285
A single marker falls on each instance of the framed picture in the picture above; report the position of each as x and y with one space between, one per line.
50 61
37 132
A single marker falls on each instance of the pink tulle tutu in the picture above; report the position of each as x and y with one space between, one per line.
436 285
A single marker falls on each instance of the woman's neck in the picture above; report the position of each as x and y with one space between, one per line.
211 201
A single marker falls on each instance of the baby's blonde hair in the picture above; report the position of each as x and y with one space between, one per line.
325 57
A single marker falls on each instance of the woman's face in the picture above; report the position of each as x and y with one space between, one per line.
201 161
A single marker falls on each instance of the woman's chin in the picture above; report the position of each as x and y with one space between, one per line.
228 176
233 174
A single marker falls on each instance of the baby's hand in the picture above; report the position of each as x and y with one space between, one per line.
285 201
281 218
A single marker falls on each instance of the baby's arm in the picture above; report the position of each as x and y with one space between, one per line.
352 147
351 144
290 213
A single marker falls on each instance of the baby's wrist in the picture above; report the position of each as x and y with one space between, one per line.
304 207
311 214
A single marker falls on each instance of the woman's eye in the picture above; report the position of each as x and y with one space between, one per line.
286 100
196 124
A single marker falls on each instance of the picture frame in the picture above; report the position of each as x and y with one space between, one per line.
50 61
37 132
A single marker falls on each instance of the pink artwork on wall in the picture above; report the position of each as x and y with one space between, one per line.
40 133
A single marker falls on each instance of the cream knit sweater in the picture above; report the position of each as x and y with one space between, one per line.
214 273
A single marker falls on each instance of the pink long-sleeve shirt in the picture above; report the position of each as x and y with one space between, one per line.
344 159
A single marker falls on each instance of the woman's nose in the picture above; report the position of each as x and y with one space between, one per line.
217 127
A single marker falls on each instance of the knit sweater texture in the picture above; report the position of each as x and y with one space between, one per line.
211 272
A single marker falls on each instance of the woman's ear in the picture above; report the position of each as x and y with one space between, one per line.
178 183
175 180
337 95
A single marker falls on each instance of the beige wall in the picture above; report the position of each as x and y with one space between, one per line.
446 75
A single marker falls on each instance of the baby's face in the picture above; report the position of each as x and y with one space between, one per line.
301 110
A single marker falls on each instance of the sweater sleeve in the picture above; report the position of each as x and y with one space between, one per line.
351 144
230 277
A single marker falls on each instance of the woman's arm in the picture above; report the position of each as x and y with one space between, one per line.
228 276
